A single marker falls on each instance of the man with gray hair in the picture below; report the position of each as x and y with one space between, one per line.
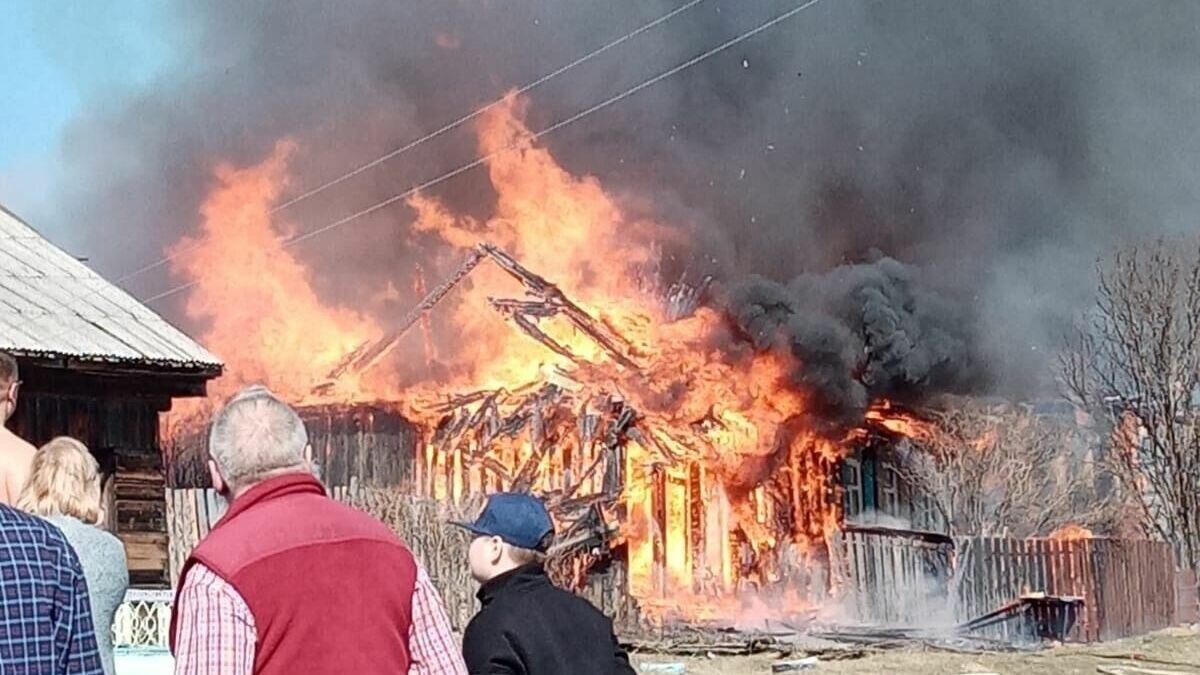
290 581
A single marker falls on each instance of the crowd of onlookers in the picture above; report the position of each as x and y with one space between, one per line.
287 581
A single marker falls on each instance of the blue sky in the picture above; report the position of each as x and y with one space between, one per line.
57 56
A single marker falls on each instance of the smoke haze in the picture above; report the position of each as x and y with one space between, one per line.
990 150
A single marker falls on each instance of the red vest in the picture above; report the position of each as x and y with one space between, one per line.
330 588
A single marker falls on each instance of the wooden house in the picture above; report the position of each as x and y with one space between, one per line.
98 365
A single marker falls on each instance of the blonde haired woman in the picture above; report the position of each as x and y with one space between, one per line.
64 488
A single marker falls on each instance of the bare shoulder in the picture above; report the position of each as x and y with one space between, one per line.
14 450
16 456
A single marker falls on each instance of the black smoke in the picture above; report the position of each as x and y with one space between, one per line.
996 147
859 333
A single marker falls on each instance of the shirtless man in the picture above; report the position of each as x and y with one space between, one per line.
15 453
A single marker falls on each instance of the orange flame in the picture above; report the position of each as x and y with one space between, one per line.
1071 532
884 415
264 318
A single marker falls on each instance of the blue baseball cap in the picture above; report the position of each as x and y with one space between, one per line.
517 518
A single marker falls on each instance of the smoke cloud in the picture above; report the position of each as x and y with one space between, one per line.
860 332
995 149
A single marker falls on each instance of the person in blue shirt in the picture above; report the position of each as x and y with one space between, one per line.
45 614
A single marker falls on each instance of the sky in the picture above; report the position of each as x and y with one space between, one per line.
59 55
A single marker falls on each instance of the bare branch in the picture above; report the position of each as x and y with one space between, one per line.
1135 366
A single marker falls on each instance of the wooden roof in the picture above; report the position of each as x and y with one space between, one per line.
53 306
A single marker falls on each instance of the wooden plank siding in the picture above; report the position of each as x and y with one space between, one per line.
372 444
122 433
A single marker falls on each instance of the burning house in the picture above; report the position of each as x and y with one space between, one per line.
701 444
97 365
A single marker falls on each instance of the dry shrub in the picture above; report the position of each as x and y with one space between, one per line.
441 548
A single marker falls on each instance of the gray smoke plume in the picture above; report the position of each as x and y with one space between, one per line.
996 147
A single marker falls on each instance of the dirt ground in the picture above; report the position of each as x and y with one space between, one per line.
1171 651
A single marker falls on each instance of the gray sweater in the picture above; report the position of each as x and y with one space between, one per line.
103 559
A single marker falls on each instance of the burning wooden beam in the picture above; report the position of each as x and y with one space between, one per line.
369 353
611 341
531 329
553 302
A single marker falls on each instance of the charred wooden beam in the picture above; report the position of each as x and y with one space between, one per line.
426 323
528 472
512 425
658 514
652 441
696 529
530 328
491 464
583 478
466 399
614 442
553 301
536 308
611 341
590 530
490 428
568 504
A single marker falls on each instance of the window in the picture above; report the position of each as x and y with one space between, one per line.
889 491
852 497
927 516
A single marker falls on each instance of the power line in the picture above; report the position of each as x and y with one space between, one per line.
446 128
548 130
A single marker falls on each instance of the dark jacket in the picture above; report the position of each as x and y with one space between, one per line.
529 627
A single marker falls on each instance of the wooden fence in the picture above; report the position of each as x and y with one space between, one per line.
888 577
892 578
191 513
1187 597
1127 586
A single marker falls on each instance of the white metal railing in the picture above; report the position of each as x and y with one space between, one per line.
144 619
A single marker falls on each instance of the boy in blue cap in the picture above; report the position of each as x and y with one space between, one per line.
527 626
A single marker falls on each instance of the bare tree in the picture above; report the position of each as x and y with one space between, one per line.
1002 470
1135 364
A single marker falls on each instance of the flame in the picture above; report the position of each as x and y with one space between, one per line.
885 415
263 315
728 490
1071 532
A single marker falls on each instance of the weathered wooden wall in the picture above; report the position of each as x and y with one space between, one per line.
122 432
373 444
